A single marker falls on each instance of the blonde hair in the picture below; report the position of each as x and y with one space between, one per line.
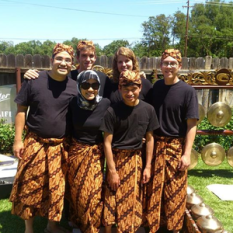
129 54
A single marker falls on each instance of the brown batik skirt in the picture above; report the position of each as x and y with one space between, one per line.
166 191
124 206
39 183
85 179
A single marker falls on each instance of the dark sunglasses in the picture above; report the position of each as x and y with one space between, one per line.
86 86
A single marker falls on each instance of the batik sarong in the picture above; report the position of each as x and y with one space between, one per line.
85 179
39 183
166 191
124 206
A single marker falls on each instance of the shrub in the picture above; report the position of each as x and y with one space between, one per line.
203 140
7 134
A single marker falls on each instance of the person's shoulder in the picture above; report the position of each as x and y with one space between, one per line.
101 74
146 82
106 101
159 83
145 105
186 86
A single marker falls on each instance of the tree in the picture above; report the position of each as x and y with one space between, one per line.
6 45
110 49
156 33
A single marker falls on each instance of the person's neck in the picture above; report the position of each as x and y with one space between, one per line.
171 81
56 77
133 104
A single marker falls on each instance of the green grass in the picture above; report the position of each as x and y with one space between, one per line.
199 177
13 224
203 175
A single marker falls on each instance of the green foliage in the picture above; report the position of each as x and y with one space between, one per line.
109 50
203 140
7 134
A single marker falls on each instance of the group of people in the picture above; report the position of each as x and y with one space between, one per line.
79 118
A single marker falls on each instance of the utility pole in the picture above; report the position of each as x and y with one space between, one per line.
186 31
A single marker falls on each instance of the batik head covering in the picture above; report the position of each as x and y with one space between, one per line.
58 48
83 77
175 53
128 77
85 44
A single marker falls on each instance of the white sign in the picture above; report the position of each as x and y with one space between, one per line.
8 107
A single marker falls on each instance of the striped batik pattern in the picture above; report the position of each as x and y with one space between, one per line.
39 184
124 206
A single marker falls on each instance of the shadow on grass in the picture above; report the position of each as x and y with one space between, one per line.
211 173
13 224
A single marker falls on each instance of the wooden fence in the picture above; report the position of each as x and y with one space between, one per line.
145 63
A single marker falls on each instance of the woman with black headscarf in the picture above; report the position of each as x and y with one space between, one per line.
86 158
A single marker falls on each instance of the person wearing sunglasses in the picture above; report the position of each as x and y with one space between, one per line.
176 106
86 158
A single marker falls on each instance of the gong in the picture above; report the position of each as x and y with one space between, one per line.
230 156
201 111
213 154
219 114
194 159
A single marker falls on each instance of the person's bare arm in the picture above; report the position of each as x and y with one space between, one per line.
149 154
113 177
189 139
31 74
20 119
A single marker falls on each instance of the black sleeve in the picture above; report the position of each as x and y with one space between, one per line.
147 90
107 124
153 123
107 88
23 97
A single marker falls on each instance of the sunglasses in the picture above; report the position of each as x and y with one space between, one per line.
86 86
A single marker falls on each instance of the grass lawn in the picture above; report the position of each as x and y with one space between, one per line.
199 177
203 175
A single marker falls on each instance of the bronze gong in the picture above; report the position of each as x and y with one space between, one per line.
219 114
194 159
230 156
213 154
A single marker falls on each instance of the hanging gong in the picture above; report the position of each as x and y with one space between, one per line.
194 159
230 156
201 111
219 114
213 154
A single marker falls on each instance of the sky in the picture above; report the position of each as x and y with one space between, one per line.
101 21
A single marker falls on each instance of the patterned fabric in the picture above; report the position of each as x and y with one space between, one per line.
85 44
85 179
39 184
166 191
129 77
124 206
175 53
58 48
83 77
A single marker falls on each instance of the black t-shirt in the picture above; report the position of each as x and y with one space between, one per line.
104 82
129 124
48 101
145 94
174 104
86 123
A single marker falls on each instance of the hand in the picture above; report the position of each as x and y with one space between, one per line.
142 75
184 163
31 74
146 175
113 180
18 149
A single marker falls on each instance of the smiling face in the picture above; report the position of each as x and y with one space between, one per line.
89 92
61 65
130 94
170 68
124 63
86 59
